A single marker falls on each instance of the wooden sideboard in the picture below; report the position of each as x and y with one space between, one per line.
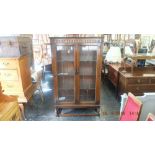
113 70
15 77
142 80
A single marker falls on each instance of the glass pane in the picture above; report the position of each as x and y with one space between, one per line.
88 56
88 53
66 88
66 72
87 68
65 53
65 68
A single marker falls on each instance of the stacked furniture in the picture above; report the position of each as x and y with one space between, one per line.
76 66
15 75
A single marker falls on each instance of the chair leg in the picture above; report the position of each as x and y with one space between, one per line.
21 106
41 94
31 100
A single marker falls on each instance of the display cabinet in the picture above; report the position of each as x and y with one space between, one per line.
76 66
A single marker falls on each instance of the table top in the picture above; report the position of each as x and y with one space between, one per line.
115 66
147 72
138 74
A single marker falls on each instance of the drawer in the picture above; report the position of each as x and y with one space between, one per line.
138 81
152 80
8 75
144 88
8 64
11 87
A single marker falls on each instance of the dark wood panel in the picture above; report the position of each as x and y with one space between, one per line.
77 71
98 74
77 77
54 70
138 81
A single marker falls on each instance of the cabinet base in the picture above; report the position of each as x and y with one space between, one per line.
59 109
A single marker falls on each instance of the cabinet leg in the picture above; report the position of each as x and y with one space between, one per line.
98 111
58 111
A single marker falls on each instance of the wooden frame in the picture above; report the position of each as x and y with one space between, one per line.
150 117
133 114
76 43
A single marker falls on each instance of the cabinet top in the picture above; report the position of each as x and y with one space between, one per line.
76 40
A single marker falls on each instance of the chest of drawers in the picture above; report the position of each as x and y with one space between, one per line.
15 76
137 83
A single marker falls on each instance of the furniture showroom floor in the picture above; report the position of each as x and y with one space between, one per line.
37 111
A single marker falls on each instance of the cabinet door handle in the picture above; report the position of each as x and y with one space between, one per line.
9 86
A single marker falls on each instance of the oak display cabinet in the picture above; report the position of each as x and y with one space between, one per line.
76 66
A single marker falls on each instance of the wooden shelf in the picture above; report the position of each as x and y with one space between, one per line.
65 75
65 61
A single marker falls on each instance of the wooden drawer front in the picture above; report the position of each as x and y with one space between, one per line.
152 80
8 75
113 75
138 81
9 64
11 87
145 88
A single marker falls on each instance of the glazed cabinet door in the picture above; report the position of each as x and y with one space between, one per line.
87 72
64 73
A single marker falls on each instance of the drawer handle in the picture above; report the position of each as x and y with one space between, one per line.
5 63
7 74
137 88
10 86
